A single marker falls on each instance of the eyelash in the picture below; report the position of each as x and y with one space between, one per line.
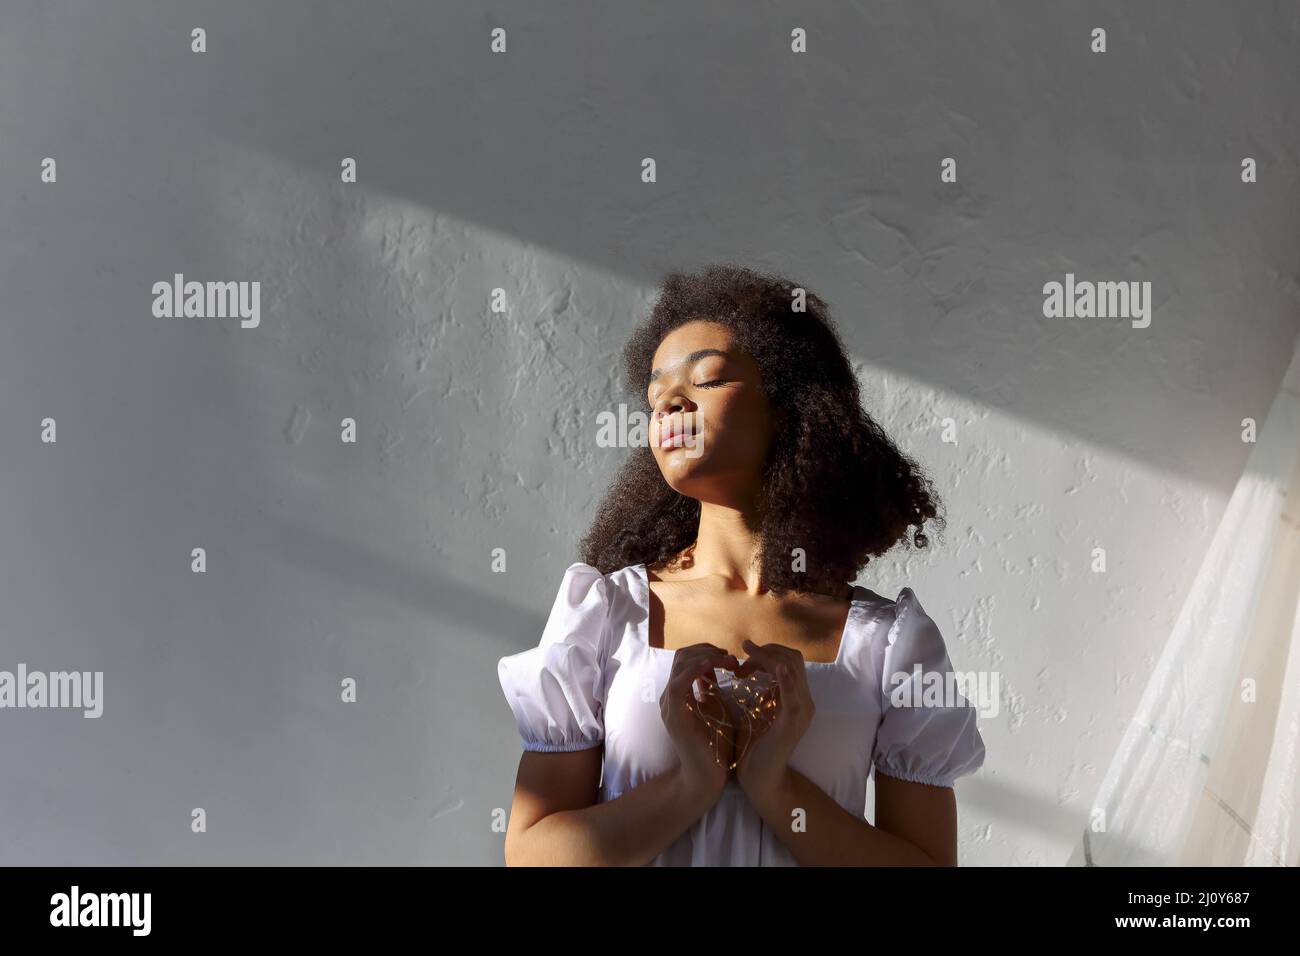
711 384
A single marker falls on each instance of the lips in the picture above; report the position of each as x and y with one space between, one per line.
675 435
670 438
680 429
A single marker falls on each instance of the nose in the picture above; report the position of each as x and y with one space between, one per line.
672 400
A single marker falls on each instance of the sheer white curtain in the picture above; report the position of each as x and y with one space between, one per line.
1207 770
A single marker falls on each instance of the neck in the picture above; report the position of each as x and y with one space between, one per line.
727 545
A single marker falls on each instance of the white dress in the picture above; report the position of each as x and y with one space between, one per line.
594 679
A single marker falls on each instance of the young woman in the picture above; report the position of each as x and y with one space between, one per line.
728 544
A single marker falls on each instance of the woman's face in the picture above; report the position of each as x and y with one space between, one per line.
710 423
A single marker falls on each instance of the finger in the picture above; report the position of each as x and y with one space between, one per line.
766 657
703 656
713 651
681 683
791 680
792 691
770 650
705 661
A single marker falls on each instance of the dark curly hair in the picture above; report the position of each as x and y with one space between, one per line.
834 484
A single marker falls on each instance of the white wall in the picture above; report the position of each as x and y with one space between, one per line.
478 430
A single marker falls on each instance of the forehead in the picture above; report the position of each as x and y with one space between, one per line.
678 345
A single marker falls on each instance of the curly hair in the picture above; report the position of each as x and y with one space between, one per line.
833 483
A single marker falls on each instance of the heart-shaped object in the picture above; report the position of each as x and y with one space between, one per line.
744 707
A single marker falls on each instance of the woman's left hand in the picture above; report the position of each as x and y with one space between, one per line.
766 760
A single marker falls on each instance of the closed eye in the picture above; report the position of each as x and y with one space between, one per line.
712 384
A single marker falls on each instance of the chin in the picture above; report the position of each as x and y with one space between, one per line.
686 476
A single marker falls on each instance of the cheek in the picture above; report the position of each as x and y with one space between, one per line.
739 417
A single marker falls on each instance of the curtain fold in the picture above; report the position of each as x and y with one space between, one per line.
1206 771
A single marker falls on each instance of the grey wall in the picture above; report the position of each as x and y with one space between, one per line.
477 430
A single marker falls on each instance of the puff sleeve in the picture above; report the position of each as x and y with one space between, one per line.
927 732
556 689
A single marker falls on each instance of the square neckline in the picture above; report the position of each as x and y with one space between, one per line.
856 603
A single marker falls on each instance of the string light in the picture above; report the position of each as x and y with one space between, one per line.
750 705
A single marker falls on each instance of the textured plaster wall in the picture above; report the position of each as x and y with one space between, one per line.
477 430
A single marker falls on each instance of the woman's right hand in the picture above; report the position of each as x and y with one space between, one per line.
704 755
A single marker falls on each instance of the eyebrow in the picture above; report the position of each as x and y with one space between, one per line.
693 357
